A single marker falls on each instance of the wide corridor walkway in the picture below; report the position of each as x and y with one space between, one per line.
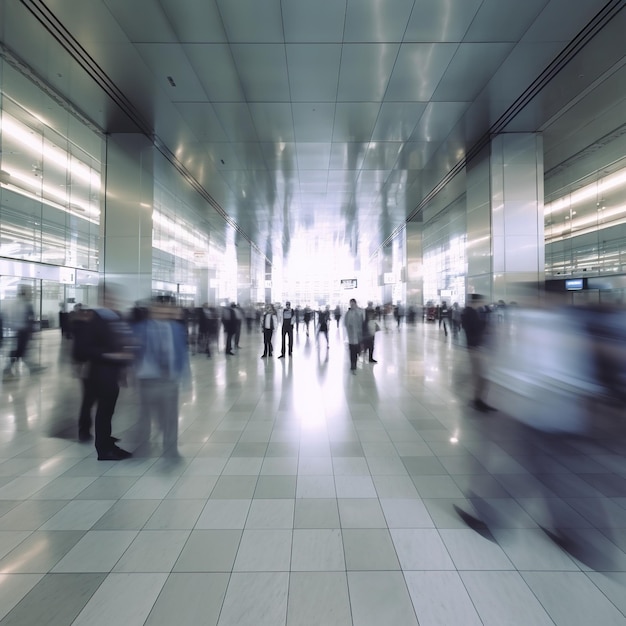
304 495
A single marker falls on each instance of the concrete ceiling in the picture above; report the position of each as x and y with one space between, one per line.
330 117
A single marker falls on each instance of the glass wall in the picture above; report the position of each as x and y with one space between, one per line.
585 225
444 255
50 199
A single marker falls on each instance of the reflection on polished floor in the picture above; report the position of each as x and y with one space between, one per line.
304 495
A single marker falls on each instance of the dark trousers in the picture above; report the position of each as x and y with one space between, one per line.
287 332
88 401
354 353
23 337
106 388
267 341
229 329
368 347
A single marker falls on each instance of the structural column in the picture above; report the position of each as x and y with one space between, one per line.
126 254
414 263
505 223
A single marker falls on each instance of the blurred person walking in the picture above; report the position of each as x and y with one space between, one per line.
370 327
353 323
543 374
21 320
474 321
323 320
108 346
337 314
161 366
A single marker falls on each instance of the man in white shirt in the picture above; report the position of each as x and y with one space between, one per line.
287 329
269 322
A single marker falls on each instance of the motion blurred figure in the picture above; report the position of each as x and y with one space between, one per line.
370 327
21 320
353 323
474 320
323 320
162 364
108 345
542 374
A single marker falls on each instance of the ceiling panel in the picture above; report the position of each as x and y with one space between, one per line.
352 108
236 121
313 156
215 68
202 118
347 156
142 21
280 156
469 71
504 21
354 121
321 21
169 61
193 21
382 155
396 120
313 71
272 120
441 21
251 21
438 120
250 156
263 71
365 71
418 70
372 20
313 121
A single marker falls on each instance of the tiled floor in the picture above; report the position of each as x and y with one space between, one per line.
305 495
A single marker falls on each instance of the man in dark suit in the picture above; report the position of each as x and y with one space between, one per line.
474 320
287 329
108 350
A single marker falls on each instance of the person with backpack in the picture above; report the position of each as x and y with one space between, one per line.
107 349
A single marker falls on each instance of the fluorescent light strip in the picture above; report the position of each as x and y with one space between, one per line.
596 189
47 151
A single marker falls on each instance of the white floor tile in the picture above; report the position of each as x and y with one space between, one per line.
153 551
97 551
441 598
421 549
270 514
380 598
224 514
504 598
264 551
13 587
318 598
317 550
255 599
122 599
333 481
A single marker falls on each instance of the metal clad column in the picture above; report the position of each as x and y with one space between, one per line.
505 223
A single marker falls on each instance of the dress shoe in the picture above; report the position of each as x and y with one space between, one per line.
113 454
231 353
282 356
482 406
84 436
264 356
373 361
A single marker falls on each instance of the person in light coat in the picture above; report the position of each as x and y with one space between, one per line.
353 323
